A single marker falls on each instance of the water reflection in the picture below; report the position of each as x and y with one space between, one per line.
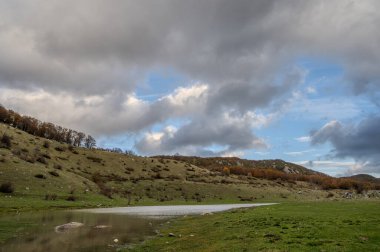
100 232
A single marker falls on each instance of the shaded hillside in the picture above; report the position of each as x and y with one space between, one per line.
365 178
214 163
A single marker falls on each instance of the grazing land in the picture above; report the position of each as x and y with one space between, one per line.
290 226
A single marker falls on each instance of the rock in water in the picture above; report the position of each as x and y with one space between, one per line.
68 226
102 226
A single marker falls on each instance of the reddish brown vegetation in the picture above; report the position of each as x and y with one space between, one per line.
323 181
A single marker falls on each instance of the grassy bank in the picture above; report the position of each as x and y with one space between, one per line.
291 226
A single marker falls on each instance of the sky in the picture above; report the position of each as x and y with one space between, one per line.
258 79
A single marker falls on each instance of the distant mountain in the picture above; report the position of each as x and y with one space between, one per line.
365 178
216 162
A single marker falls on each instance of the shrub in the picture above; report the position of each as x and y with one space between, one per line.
6 141
106 191
45 155
330 195
226 171
60 148
71 198
50 196
54 173
42 160
95 159
46 145
6 187
58 166
40 176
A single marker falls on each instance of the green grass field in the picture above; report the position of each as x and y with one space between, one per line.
291 226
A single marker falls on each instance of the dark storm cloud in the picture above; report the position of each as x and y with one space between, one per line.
92 46
98 52
361 141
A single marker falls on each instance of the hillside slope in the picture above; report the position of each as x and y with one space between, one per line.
365 178
44 173
214 163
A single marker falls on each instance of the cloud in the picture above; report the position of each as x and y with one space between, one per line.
108 114
360 142
233 134
298 153
303 139
80 63
327 163
93 51
332 167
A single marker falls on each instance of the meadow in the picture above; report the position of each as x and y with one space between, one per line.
289 226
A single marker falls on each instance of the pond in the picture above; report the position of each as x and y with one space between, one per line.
104 229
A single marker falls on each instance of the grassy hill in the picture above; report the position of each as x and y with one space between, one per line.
43 173
214 163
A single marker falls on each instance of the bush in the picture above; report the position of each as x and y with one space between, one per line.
6 141
58 166
50 196
46 144
330 195
60 148
40 176
95 159
71 198
226 171
6 187
54 173
42 160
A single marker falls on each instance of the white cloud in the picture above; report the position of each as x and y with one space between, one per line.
303 139
298 153
184 96
311 90
327 163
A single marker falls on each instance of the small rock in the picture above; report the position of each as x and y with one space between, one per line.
68 226
363 238
171 235
115 240
102 226
191 235
207 213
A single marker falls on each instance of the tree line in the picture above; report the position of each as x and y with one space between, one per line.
45 129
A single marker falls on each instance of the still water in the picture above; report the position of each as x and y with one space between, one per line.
98 233
106 229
